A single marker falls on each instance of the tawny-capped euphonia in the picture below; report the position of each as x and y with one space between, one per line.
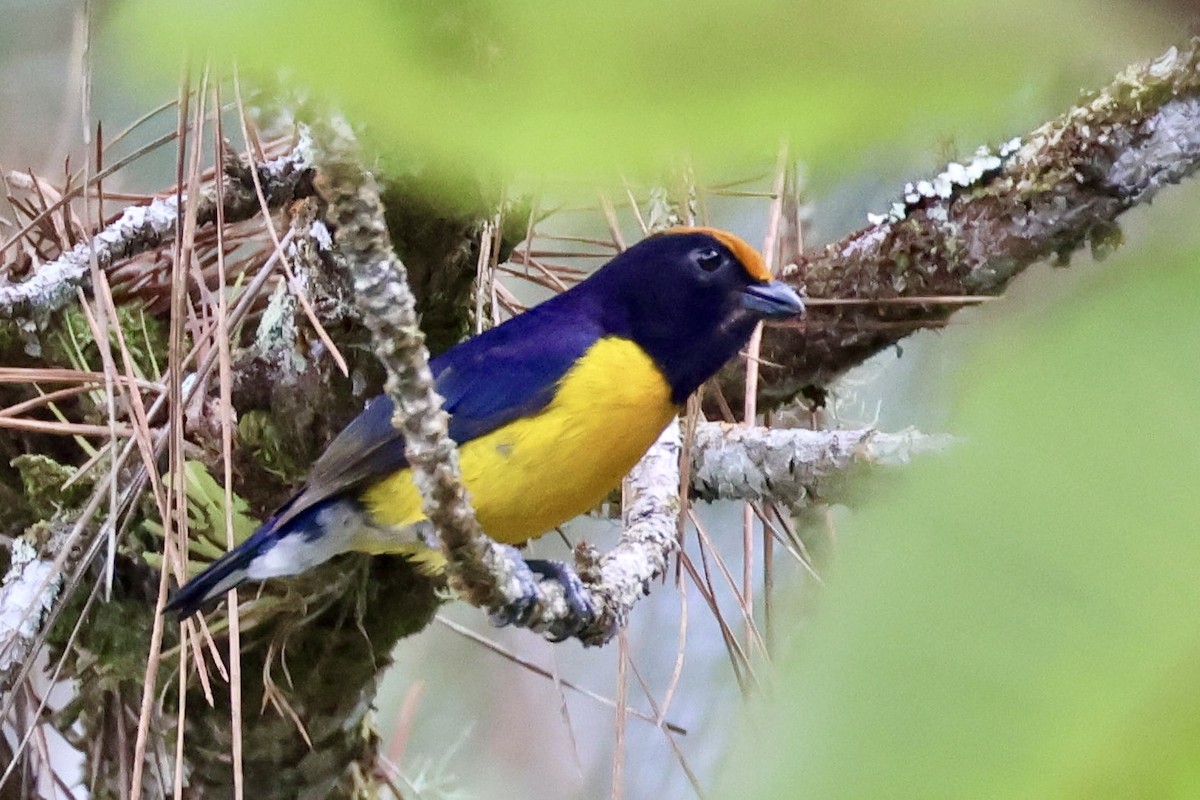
549 409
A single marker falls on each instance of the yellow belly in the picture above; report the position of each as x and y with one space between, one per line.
538 472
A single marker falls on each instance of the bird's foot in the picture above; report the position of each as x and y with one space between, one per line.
574 592
523 612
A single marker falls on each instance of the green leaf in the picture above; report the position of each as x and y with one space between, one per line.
1020 618
206 518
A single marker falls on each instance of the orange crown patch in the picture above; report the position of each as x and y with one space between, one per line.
750 259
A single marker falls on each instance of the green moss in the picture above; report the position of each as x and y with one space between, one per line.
276 454
146 338
43 479
15 511
109 652
116 637
11 340
70 342
1105 239
1139 94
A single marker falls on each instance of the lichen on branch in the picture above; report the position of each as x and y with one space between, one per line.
971 229
141 228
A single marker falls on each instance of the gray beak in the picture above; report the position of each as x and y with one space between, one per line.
772 300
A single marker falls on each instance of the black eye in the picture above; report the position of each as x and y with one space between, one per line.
709 260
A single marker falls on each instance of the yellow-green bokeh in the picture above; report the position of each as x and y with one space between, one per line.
573 90
1019 619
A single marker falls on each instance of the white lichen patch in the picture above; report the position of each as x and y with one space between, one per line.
321 235
1163 66
1167 153
943 186
939 214
304 154
1010 147
870 240
277 333
26 597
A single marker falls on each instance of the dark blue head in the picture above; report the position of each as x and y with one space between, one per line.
691 298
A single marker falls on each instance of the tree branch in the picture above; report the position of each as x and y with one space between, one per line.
971 229
27 596
789 465
141 228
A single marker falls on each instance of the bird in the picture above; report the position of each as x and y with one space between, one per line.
549 410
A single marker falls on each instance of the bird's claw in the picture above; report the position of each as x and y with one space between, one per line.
522 611
574 592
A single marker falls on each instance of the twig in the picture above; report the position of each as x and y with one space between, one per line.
732 462
486 574
495 647
143 228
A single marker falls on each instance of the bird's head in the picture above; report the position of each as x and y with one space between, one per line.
691 298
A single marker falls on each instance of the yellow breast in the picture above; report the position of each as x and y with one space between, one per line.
540 471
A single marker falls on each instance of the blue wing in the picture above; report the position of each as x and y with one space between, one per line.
493 379
506 373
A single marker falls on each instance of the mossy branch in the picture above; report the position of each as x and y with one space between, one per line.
971 229
485 573
143 228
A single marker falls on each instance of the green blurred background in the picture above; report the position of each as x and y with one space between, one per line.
1015 619
585 91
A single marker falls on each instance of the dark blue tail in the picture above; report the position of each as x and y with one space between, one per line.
305 543
222 575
